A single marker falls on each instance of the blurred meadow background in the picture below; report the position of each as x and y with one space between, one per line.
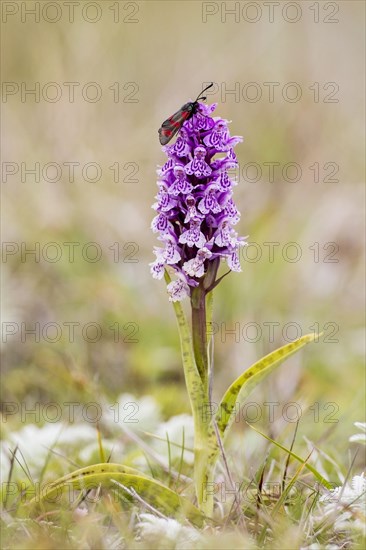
102 89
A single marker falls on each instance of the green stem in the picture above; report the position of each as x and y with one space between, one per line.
199 340
199 333
203 472
199 322
203 475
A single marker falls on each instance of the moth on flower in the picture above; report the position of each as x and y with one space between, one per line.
195 211
173 124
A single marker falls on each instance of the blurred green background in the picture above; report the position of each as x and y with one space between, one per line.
146 59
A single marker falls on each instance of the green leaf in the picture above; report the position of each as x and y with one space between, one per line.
244 385
240 390
109 475
311 468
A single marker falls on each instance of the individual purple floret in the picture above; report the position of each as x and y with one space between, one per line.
194 205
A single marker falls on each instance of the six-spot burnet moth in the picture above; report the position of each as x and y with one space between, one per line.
174 123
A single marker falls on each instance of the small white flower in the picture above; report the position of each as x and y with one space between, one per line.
177 430
169 534
347 505
359 438
34 442
135 413
317 546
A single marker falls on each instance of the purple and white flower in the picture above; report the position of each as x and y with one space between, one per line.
193 236
198 166
181 184
178 290
195 267
195 209
209 203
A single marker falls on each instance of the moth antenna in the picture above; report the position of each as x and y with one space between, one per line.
200 95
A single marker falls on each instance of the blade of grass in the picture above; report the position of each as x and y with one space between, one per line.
311 468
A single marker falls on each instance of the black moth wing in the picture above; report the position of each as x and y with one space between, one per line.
174 123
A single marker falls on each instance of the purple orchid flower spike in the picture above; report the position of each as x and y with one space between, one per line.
195 209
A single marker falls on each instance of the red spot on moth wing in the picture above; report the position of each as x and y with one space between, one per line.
171 126
180 116
186 115
165 135
165 132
